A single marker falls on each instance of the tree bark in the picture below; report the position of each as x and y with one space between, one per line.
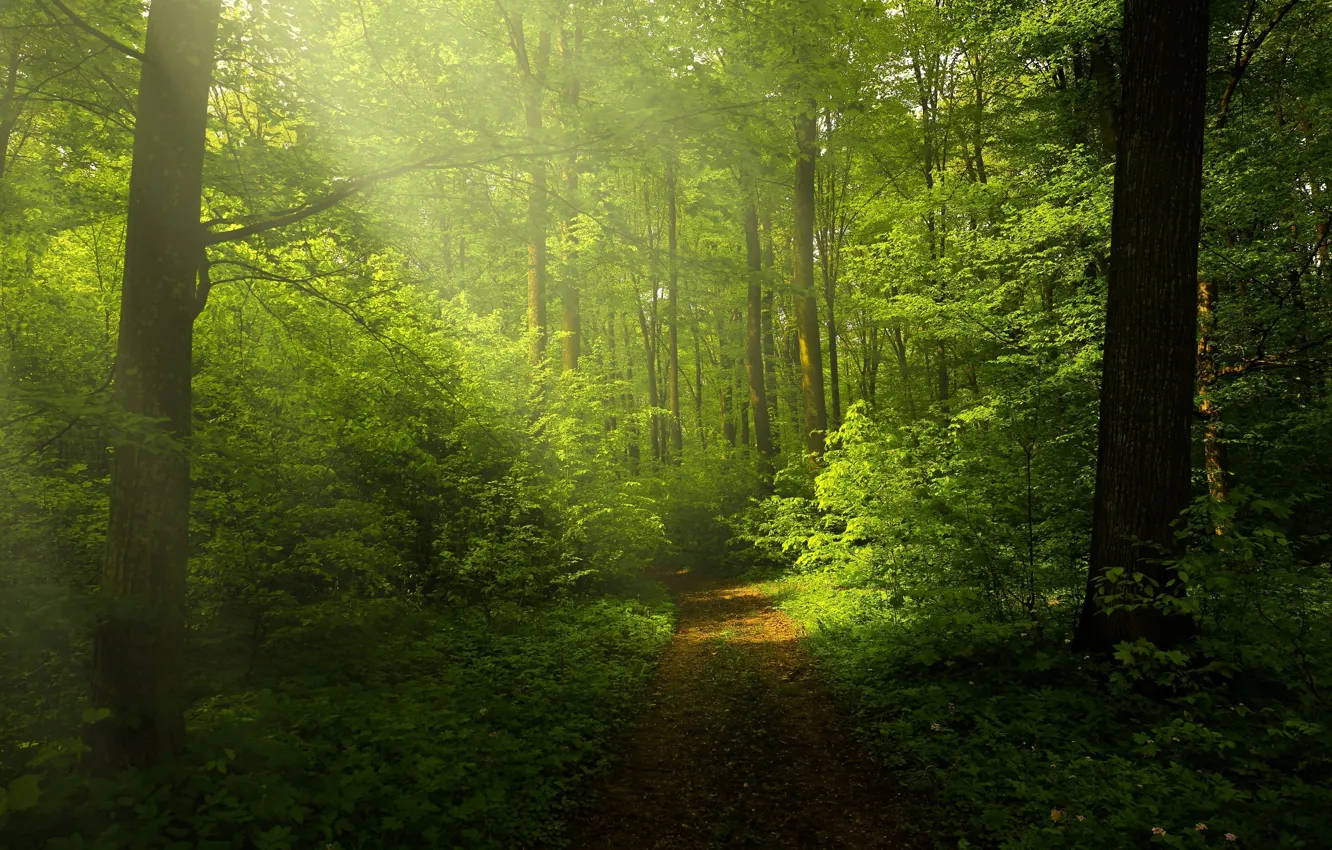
1214 450
137 647
9 106
673 311
532 74
571 319
769 343
758 391
807 310
1143 464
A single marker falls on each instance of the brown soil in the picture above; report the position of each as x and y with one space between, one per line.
740 745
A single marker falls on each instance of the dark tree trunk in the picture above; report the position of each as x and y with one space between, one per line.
807 310
137 647
758 391
1143 463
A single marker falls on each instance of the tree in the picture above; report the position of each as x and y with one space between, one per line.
1143 463
807 310
754 315
137 660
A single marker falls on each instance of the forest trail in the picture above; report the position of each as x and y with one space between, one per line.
740 745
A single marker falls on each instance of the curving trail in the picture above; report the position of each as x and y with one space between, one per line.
739 746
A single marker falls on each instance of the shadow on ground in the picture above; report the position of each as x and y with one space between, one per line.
740 745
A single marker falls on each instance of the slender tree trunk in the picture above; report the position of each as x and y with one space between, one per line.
9 106
137 648
698 384
1214 450
673 311
807 310
758 391
612 422
532 71
941 371
769 343
634 451
1143 464
571 320
654 397
1107 95
727 391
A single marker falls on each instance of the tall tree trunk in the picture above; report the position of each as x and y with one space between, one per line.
769 343
9 105
941 371
571 320
726 392
1214 450
612 422
1143 464
654 396
634 451
807 310
1107 95
758 391
532 72
698 384
137 648
673 311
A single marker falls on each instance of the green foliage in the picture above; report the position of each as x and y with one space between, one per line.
375 725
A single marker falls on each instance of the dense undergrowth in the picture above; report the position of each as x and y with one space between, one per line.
379 726
956 660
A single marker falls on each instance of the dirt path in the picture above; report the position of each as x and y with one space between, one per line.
740 746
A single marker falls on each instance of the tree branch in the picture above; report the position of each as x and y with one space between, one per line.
352 187
96 33
1243 59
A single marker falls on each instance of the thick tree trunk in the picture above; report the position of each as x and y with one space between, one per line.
137 647
807 310
758 391
673 312
1143 463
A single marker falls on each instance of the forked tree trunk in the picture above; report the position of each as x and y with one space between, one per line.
807 310
137 647
1143 464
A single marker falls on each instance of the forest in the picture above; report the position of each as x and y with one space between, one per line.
656 424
